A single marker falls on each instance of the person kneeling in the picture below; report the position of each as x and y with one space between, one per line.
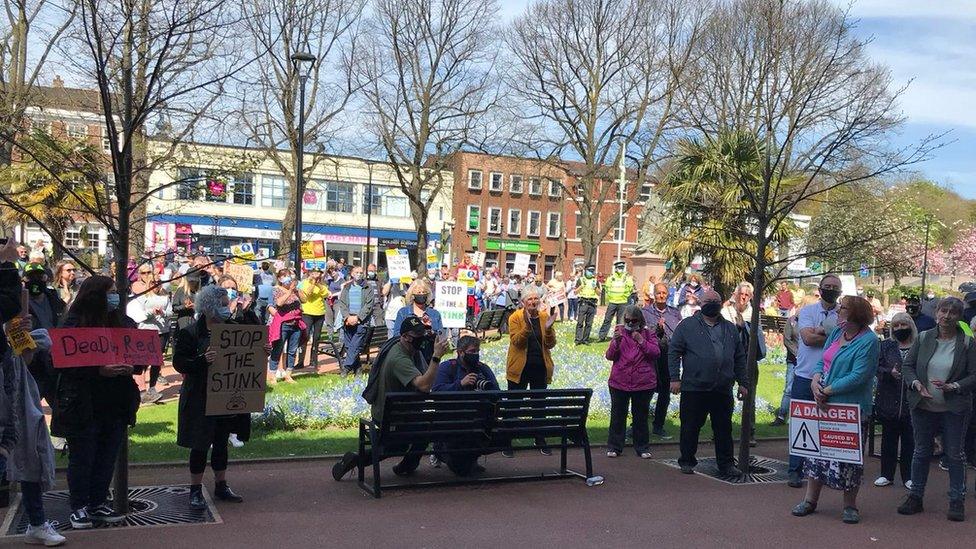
399 367
464 373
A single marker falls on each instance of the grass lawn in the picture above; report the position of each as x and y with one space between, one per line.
154 437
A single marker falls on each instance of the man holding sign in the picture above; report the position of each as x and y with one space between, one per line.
223 366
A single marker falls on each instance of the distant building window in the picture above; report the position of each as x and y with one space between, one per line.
535 219
72 239
645 192
494 220
339 197
189 183
244 189
474 179
535 186
555 188
77 131
514 222
496 182
553 226
516 184
274 192
474 218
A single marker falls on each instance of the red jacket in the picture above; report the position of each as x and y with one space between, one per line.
633 365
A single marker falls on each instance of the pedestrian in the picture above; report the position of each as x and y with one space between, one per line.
891 402
663 319
815 322
313 292
690 306
556 285
531 339
152 310
393 293
183 296
287 327
418 303
355 312
619 288
922 321
572 298
264 282
784 300
65 275
634 352
706 357
791 341
92 408
940 371
844 374
588 290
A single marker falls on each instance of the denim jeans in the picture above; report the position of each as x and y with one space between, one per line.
353 338
31 496
291 335
91 462
953 427
573 307
784 403
801 391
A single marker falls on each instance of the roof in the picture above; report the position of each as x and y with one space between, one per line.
69 99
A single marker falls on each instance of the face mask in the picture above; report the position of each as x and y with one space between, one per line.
912 309
231 294
113 300
693 284
223 313
619 269
590 273
711 309
931 296
632 326
285 280
829 296
35 288
420 299
359 277
902 334
371 275
471 361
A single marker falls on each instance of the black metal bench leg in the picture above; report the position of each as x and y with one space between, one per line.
562 457
588 456
360 466
375 455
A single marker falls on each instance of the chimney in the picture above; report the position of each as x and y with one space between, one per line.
57 83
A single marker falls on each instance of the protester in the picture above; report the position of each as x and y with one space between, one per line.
647 291
815 322
151 310
400 368
418 303
264 281
634 352
791 341
313 293
372 280
891 402
969 313
64 281
287 326
465 372
394 292
663 319
588 290
93 406
784 300
922 321
690 306
619 288
183 297
929 303
693 287
355 313
22 259
843 375
940 371
531 338
706 356
572 297
556 284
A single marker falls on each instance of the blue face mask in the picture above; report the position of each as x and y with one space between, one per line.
223 313
231 293
285 280
113 300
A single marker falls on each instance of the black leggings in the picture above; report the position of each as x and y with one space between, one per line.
156 370
218 454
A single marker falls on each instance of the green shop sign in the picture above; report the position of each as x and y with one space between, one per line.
529 246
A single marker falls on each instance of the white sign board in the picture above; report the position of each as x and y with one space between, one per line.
521 264
478 258
555 297
452 303
848 285
832 433
398 264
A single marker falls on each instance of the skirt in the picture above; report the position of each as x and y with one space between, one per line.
834 474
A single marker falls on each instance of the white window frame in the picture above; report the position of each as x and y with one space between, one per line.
491 182
498 229
515 229
76 130
467 220
620 231
521 183
555 188
645 196
471 182
538 225
559 224
537 180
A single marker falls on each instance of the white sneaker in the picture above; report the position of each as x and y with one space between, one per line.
59 443
908 484
43 535
234 441
882 481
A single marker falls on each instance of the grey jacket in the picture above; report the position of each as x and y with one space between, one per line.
691 357
963 370
8 419
365 312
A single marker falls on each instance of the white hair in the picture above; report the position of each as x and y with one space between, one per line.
209 300
531 291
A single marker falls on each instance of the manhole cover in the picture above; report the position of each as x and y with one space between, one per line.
762 470
148 506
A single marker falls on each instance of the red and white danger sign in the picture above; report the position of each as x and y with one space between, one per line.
832 433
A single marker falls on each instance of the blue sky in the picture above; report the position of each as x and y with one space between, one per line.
931 48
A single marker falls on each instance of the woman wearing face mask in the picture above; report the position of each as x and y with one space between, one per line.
192 356
418 304
92 408
313 293
151 310
633 378
891 402
394 292
183 297
285 332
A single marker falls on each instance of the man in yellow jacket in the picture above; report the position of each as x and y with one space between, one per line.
619 287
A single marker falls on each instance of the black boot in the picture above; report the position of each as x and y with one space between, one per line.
197 501
224 493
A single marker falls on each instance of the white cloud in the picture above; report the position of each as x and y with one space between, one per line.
954 9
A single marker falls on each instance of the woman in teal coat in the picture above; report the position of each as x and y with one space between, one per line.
845 376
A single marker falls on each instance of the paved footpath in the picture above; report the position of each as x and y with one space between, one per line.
642 504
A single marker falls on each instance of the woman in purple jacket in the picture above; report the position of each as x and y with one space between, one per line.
633 377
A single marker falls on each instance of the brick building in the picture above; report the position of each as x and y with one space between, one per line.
505 205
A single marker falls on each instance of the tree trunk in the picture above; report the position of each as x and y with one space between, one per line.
752 353
420 221
140 187
287 236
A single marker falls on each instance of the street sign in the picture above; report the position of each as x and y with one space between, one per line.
832 433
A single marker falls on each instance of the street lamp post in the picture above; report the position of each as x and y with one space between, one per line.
300 60
620 197
925 256
369 213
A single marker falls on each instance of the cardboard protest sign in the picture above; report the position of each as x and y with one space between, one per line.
478 258
432 263
242 274
398 264
19 338
243 253
469 277
452 304
80 347
521 264
236 380
555 297
833 433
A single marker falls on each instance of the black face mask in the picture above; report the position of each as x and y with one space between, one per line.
912 310
902 334
711 309
420 299
35 288
829 296
471 361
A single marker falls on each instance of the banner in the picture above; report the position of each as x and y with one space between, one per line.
478 258
468 276
521 264
80 347
236 381
313 249
243 253
397 264
555 297
432 263
452 303
242 274
833 433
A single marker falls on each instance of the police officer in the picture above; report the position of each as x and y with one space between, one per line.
620 288
587 288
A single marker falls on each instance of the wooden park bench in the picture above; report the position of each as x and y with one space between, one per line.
376 336
773 323
485 321
477 421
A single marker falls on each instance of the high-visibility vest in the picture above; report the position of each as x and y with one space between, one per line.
587 288
619 287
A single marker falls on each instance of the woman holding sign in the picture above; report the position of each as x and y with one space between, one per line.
93 406
192 356
418 303
845 375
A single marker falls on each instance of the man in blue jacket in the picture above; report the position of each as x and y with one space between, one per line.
706 357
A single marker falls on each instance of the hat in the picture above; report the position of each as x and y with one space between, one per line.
970 297
34 268
413 325
620 263
591 266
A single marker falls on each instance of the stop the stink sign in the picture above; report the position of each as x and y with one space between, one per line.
832 433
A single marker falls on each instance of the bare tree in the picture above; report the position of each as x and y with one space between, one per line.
598 77
793 87
429 84
330 31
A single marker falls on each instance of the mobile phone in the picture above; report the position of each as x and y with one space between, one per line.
3 241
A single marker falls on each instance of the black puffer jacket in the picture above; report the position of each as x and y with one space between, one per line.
891 399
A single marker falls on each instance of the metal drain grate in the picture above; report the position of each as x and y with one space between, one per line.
148 506
762 470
